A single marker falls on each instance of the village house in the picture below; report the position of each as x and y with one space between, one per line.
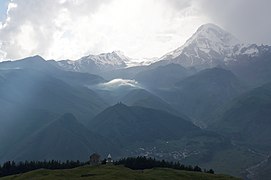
94 159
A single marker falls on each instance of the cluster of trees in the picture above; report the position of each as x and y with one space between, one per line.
140 163
136 163
10 167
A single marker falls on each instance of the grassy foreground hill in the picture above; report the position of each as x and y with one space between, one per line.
105 172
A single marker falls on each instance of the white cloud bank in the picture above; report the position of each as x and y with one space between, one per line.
69 29
61 29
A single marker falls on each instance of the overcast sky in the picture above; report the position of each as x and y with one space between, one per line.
70 29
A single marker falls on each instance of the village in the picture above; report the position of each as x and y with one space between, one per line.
95 159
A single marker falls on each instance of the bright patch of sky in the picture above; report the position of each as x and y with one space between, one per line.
3 9
70 29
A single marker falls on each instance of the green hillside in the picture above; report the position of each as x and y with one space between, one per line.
143 98
198 96
34 89
128 124
115 172
162 76
248 117
64 138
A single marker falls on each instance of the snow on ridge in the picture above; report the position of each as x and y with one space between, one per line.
113 58
208 37
209 46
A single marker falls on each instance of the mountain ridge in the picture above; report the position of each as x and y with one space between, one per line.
211 46
139 124
62 139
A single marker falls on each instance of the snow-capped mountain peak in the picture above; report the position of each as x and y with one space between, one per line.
95 63
115 58
208 47
208 37
211 34
121 55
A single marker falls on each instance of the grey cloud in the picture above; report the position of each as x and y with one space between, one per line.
247 19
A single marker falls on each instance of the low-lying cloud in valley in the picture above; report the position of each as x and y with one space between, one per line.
119 83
